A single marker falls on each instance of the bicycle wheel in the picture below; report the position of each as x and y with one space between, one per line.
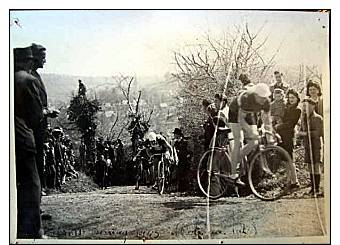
139 175
269 173
153 174
220 171
160 177
168 178
147 176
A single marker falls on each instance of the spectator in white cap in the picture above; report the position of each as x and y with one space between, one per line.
278 83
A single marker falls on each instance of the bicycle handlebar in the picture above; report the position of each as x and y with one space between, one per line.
154 155
276 136
157 154
264 131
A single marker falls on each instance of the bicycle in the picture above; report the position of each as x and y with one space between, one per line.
143 167
164 174
269 167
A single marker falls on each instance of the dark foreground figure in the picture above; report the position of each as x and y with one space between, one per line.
28 114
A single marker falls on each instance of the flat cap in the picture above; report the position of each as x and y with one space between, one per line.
37 48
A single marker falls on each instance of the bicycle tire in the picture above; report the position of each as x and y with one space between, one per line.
268 173
139 175
146 176
168 178
152 174
221 167
160 177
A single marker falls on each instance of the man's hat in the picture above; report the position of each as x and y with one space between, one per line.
37 48
178 132
22 53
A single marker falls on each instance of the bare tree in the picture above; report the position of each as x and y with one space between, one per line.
137 123
205 65
124 84
111 133
202 70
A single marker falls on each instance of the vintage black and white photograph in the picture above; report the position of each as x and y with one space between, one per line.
181 125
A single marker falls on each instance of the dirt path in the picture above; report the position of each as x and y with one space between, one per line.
123 213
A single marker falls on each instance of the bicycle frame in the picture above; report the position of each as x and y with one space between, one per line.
227 177
222 136
261 144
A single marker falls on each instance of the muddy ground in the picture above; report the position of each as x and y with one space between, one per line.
124 213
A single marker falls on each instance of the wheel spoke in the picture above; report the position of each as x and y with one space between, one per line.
219 170
269 173
160 178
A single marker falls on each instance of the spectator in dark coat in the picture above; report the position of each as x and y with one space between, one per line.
184 156
57 133
286 129
101 171
50 164
291 116
28 112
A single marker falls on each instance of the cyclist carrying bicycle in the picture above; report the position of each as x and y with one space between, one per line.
243 112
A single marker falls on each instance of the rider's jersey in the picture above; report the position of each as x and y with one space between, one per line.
248 104
160 146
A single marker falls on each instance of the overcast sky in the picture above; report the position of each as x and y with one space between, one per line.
104 43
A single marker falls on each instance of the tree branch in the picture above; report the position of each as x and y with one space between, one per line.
137 105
